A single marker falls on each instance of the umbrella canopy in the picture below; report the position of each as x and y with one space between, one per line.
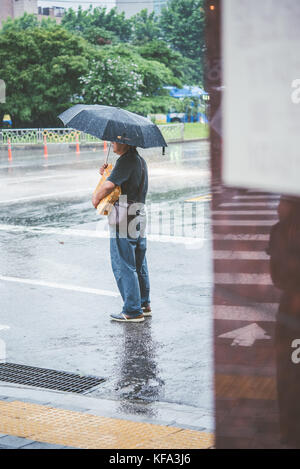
114 125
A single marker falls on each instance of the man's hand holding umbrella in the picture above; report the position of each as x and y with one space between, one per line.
103 168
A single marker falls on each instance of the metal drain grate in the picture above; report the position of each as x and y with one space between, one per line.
44 378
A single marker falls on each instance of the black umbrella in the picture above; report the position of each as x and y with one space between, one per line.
114 125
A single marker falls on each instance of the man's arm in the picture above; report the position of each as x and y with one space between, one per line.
104 190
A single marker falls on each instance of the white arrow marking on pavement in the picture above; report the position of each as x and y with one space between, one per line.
246 336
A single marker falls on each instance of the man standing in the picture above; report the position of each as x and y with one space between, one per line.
128 253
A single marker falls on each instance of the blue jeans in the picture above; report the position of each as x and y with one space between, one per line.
129 265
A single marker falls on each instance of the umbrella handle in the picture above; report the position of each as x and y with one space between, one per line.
106 159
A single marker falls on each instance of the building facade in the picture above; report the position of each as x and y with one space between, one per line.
24 6
74 4
16 8
131 8
53 12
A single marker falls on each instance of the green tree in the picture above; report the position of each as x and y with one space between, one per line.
27 21
99 36
153 105
111 81
24 22
182 25
145 27
182 67
88 22
43 75
155 74
119 76
56 67
161 52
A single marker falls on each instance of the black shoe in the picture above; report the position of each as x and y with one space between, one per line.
147 310
124 318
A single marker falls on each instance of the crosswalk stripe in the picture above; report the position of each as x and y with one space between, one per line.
243 279
257 312
241 255
243 222
241 237
248 267
256 197
244 212
249 204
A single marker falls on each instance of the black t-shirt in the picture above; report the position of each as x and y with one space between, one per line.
127 173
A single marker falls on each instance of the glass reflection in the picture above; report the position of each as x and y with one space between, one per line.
284 251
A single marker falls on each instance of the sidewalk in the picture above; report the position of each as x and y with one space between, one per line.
53 420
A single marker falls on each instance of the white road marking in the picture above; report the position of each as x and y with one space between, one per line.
243 279
4 328
60 286
97 234
43 196
261 312
241 255
37 178
57 231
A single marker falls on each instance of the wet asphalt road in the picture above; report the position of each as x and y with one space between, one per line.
57 289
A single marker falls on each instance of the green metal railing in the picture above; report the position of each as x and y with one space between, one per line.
171 133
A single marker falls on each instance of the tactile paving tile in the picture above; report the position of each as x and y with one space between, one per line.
80 430
184 439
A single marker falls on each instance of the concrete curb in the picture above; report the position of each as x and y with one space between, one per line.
167 413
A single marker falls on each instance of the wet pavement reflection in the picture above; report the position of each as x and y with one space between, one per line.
138 372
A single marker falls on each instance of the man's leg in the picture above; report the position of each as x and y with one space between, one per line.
124 268
142 271
116 265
